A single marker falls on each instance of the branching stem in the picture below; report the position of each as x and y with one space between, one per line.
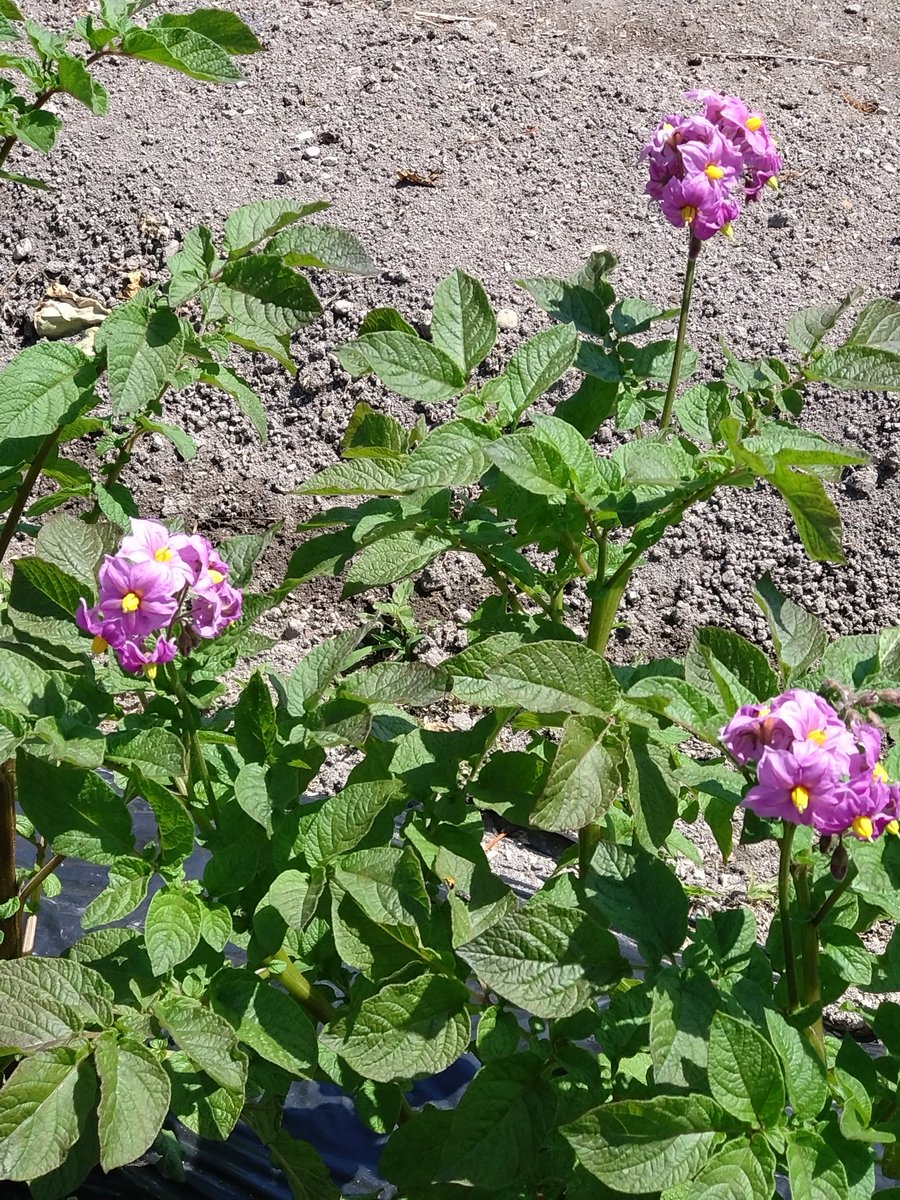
26 487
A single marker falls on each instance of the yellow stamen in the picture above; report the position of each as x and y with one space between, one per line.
754 123
879 773
688 213
150 670
668 128
893 827
131 602
818 736
714 172
863 828
216 576
765 710
800 798
773 183
164 554
99 644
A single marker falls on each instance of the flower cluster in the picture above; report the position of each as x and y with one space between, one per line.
812 769
159 580
697 164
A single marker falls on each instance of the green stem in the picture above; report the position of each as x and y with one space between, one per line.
10 141
36 881
10 927
694 247
784 913
197 767
809 946
302 990
829 903
23 495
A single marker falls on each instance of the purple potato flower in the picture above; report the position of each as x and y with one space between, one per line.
135 599
150 541
794 785
134 658
698 164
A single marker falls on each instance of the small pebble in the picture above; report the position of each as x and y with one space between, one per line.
23 250
311 152
507 318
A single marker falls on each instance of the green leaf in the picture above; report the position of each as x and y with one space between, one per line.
391 558
638 895
172 930
72 546
814 513
463 323
252 794
44 1109
582 781
75 810
199 1103
221 27
359 477
681 703
807 328
652 791
588 407
858 368
681 1010
134 1099
183 50
499 1034
408 683
637 1146
572 303
266 1019
129 879
39 129
246 227
739 1170
404 1030
219 376
814 1169
306 1174
729 668
33 1017
451 455
551 961
533 369
206 1038
655 361
631 316
798 637
387 884
700 408
557 677
878 326
77 80
409 366
44 387
242 552
26 181
325 247
190 267
804 1071
294 896
315 672
371 434
42 589
10 10
261 291
255 729
744 1072
157 752
501 1122
344 819
143 347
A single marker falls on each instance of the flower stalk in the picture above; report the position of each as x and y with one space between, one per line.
694 247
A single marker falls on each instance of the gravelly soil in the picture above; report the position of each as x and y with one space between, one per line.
533 114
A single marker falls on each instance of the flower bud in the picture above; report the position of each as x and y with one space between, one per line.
840 861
